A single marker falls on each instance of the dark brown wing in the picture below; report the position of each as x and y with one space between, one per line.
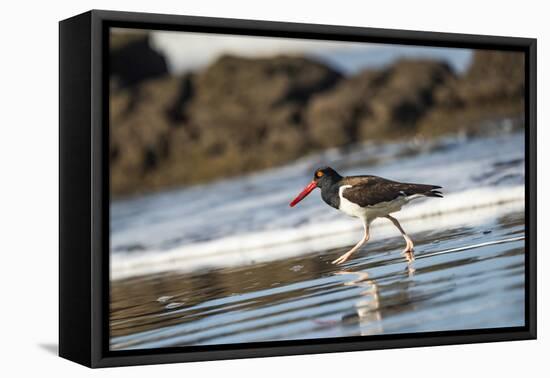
371 190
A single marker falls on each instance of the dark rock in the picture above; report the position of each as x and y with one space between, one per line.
140 132
177 113
236 116
133 60
494 76
493 87
376 104
333 117
239 115
245 98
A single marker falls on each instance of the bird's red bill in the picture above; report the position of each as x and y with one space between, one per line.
312 185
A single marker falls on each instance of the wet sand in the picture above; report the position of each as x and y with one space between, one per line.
464 277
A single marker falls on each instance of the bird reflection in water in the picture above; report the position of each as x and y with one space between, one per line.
409 256
366 310
366 315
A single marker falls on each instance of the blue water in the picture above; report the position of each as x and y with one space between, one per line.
191 267
252 213
477 286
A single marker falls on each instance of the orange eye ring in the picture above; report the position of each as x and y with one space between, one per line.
319 174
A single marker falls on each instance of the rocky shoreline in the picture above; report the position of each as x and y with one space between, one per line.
239 114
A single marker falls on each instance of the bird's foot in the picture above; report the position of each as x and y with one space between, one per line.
408 250
409 254
342 259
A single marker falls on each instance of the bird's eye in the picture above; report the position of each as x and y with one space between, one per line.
319 174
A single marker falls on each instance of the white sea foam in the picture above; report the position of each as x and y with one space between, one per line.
471 207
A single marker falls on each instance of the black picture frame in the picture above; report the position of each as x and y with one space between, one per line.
84 187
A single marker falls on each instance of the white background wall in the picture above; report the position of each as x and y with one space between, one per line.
29 174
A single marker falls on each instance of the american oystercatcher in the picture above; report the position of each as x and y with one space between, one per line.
366 198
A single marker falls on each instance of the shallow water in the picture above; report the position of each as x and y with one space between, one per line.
230 262
463 277
247 219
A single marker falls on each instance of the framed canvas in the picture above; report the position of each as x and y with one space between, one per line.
407 159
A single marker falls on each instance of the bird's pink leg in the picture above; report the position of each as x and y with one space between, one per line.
410 246
348 254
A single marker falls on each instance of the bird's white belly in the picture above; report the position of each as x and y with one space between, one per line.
369 212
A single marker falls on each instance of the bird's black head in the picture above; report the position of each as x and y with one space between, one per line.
326 176
322 178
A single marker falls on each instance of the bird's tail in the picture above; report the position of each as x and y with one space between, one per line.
434 192
413 191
